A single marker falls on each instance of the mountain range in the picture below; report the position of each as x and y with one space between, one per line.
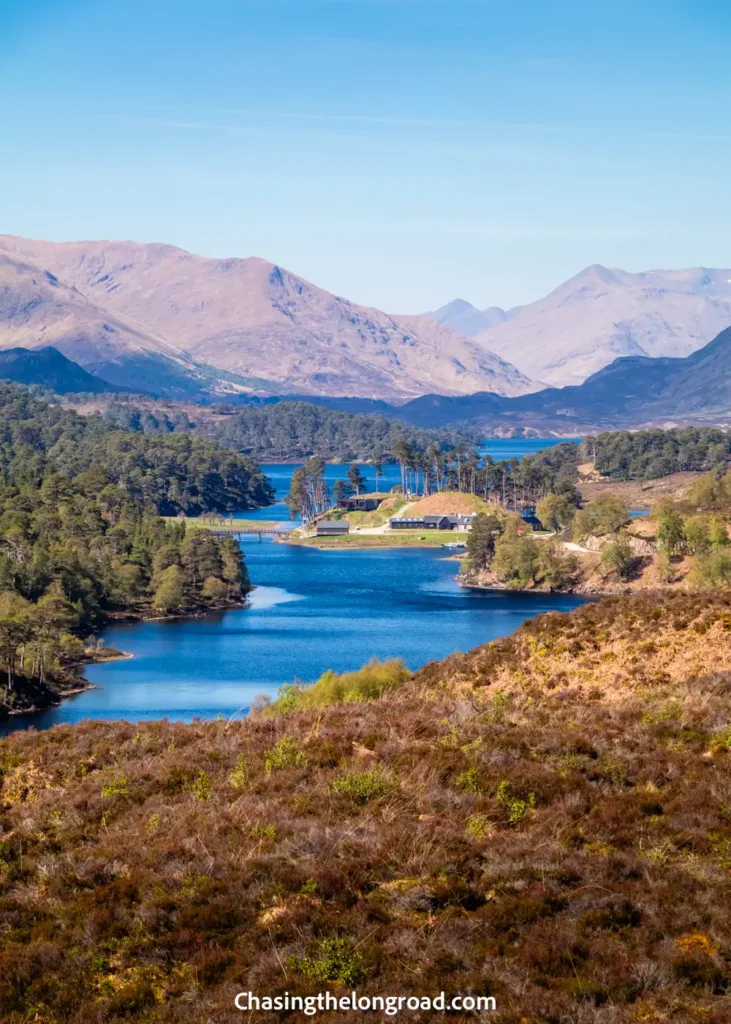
598 316
633 391
136 314
155 318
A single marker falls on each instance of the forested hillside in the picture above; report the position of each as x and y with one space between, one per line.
648 454
80 536
298 429
545 820
284 431
172 473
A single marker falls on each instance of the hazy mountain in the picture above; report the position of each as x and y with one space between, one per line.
603 314
463 317
258 320
50 369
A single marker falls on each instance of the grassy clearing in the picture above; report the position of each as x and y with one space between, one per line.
396 539
453 502
225 524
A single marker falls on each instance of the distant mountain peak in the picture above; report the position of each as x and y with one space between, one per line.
602 313
461 316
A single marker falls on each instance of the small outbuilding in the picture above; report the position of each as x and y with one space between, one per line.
333 528
361 503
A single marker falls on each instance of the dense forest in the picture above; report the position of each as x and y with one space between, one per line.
81 538
433 459
286 430
649 454
170 472
299 429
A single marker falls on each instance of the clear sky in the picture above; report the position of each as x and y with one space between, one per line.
398 152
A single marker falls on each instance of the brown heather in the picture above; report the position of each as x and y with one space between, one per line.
546 819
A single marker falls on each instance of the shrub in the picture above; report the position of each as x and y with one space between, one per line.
479 826
617 557
470 781
670 527
718 533
284 755
332 960
516 808
713 569
360 787
263 832
116 787
201 787
368 683
239 774
697 535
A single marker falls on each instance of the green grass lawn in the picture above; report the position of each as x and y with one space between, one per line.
397 539
220 525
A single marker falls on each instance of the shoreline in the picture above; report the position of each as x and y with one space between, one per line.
571 592
101 655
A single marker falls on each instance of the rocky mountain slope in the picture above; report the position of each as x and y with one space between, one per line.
39 309
638 389
601 315
258 320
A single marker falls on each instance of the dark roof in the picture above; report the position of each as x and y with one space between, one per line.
334 527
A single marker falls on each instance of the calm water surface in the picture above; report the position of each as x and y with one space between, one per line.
312 610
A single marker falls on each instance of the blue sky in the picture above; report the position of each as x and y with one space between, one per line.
397 152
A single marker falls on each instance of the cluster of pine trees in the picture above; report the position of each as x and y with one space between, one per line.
294 430
81 538
170 472
650 454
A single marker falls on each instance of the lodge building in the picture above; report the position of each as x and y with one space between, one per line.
459 521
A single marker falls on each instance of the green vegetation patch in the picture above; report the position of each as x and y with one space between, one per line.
365 684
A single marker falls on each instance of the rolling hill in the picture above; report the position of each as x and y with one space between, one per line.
254 319
546 815
49 368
